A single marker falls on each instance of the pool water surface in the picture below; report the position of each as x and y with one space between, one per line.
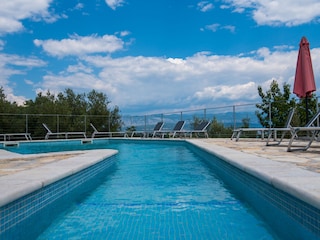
159 191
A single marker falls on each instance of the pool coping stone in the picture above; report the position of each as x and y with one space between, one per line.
301 183
19 184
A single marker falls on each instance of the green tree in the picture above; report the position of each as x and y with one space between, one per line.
301 116
8 115
196 121
5 105
115 118
97 103
71 103
245 122
72 108
280 102
130 130
66 111
109 119
44 104
218 130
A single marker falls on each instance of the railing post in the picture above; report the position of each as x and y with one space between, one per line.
26 123
270 117
109 123
58 123
317 109
234 117
85 123
145 123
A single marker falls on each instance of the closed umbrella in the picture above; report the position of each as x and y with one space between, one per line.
304 83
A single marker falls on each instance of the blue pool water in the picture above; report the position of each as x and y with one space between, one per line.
156 191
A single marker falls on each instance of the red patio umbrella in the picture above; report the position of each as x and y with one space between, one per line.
304 83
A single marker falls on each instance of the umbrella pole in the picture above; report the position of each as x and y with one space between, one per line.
307 112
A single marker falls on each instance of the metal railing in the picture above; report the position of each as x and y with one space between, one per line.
231 116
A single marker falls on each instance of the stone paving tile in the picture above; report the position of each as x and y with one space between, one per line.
14 165
309 159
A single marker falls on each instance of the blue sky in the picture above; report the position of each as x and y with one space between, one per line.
154 56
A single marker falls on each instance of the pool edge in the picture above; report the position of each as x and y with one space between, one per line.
300 183
17 185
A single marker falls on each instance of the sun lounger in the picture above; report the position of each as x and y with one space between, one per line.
9 136
107 134
65 134
237 132
178 128
200 129
309 128
157 127
294 132
270 131
286 129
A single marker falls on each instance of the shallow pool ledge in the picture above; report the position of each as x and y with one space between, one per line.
17 185
301 183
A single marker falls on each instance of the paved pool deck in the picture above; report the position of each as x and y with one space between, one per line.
297 173
309 160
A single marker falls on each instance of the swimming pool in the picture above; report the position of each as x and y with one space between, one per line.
158 190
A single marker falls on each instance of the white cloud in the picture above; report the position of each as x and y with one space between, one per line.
78 45
29 82
212 27
2 43
283 47
11 97
205 6
124 33
14 11
231 92
83 81
7 60
79 68
79 6
9 25
216 26
278 12
161 83
11 65
113 4
229 28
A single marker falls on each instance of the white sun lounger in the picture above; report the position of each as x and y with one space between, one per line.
8 136
178 128
237 132
271 131
65 134
108 134
286 129
200 129
308 128
157 127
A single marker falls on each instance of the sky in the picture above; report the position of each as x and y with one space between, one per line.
152 56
